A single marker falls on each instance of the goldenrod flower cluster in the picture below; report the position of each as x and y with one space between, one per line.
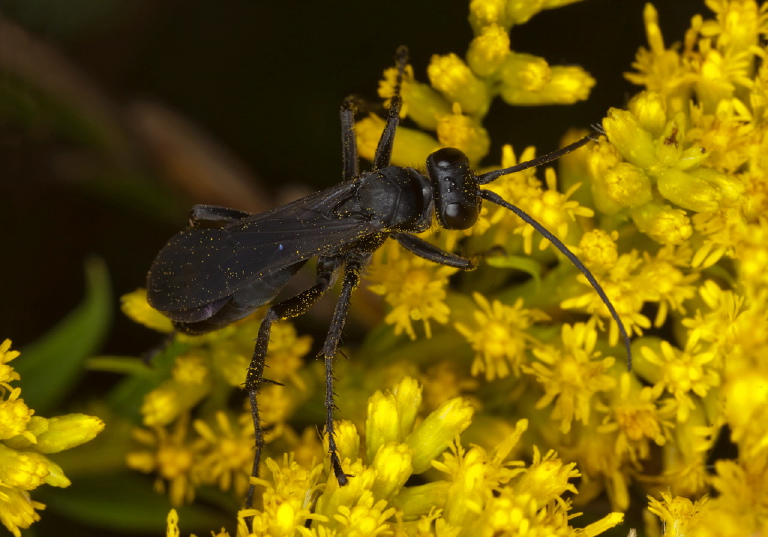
26 441
667 210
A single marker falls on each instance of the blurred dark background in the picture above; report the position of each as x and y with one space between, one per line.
117 115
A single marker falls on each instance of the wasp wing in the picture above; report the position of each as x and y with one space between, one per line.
250 259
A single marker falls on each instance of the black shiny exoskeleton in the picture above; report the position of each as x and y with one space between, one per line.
229 262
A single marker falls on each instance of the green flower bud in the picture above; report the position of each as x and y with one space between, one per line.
393 468
488 50
454 79
633 142
663 223
65 432
650 110
437 431
627 185
688 191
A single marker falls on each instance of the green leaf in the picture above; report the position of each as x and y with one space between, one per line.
124 365
126 397
126 503
523 263
53 364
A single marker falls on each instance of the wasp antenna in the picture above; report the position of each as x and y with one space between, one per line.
489 177
528 219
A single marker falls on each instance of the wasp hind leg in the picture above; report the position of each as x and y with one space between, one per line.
354 264
287 309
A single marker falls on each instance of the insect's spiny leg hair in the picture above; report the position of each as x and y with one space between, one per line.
354 263
383 153
259 440
253 380
528 219
330 407
287 309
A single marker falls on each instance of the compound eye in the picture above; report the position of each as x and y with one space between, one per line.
459 215
447 157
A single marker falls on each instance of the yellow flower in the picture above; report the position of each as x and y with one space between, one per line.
365 518
551 208
717 326
172 524
603 469
432 436
65 432
664 280
636 415
571 375
529 80
136 307
488 494
674 191
393 466
752 254
391 418
680 515
226 454
499 336
547 478
463 133
25 471
482 491
621 285
7 374
170 456
663 223
524 73
174 397
739 506
722 230
444 381
413 286
598 251
14 416
455 80
488 50
627 185
681 372
25 439
746 397
659 69
276 406
421 103
391 415
484 13
520 12
287 499
17 509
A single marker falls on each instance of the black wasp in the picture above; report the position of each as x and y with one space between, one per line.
229 262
